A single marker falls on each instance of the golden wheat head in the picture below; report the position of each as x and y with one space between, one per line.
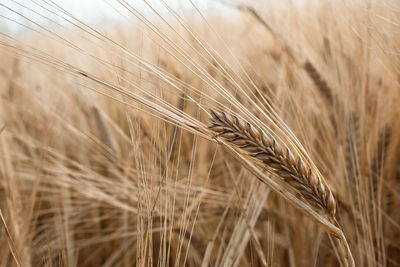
256 144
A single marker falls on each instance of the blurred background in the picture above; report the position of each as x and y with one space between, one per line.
89 11
98 12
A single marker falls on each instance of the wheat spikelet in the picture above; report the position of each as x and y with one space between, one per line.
273 158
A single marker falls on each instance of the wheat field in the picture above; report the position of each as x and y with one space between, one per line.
255 134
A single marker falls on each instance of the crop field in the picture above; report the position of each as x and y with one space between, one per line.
253 133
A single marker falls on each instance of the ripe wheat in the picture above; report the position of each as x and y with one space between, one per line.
256 144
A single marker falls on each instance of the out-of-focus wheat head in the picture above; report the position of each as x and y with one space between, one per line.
254 135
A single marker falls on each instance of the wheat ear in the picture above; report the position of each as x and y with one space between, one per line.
273 158
265 152
352 154
379 158
319 82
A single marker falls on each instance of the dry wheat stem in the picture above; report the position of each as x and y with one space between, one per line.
11 243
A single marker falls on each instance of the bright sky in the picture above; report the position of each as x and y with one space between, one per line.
90 11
